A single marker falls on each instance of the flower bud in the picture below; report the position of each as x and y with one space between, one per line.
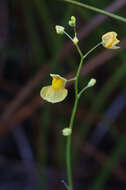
92 82
75 40
72 21
66 131
59 29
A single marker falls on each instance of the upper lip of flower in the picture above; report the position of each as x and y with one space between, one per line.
58 81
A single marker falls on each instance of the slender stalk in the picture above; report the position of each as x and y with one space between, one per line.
92 49
66 186
77 76
68 146
79 51
68 35
80 65
83 90
97 10
72 79
77 96
76 45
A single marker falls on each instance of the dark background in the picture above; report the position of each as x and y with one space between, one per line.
32 148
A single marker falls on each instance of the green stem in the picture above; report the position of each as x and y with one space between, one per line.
82 91
77 76
80 65
76 45
79 51
77 96
92 49
68 146
68 35
72 79
97 10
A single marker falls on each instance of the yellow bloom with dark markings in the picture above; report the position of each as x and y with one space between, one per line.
109 40
56 92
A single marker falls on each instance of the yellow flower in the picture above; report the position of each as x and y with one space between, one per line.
55 92
110 41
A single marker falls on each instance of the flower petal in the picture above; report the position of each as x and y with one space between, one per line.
109 40
58 76
52 95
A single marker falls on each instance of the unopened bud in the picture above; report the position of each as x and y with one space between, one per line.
66 131
59 29
92 82
75 40
72 21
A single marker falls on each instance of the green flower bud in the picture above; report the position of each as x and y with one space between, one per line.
92 82
59 29
75 40
72 21
66 131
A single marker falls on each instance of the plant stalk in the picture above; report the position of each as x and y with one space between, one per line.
77 96
114 16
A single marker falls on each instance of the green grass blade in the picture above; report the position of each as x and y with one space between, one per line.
83 5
